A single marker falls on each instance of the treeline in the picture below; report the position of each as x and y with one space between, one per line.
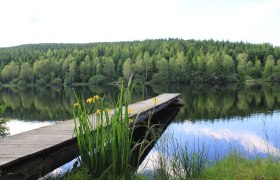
158 61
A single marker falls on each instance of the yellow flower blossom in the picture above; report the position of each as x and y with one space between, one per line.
129 111
155 100
98 111
107 110
90 100
96 97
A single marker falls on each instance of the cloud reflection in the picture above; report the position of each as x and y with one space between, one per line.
17 126
249 140
149 162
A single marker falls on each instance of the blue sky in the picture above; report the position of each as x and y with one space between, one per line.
82 21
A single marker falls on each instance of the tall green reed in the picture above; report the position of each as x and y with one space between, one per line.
105 139
179 161
4 130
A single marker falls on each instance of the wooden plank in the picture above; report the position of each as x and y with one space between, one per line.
32 148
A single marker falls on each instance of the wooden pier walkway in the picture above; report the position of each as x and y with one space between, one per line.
34 153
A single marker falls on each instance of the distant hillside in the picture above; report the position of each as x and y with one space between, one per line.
157 61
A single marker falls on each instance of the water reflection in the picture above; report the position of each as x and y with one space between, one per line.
16 126
203 102
207 102
222 117
254 136
251 136
45 103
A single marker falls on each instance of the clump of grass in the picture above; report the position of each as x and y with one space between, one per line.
237 166
4 130
78 174
105 140
175 161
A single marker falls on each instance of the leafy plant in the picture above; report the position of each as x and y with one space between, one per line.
3 128
105 138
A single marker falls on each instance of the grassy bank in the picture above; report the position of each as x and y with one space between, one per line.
232 166
235 166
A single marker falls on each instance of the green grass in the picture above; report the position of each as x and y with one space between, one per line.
78 174
236 166
177 162
232 167
83 174
4 130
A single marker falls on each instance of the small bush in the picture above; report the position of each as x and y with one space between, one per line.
21 83
231 78
41 82
15 81
97 79
44 80
57 81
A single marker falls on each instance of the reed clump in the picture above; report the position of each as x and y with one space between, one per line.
105 139
179 161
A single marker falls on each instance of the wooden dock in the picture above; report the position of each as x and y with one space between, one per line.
34 153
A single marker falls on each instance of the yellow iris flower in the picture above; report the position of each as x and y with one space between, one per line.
96 97
155 100
90 100
98 111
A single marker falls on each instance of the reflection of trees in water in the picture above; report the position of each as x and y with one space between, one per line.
212 102
40 103
47 103
202 101
11 99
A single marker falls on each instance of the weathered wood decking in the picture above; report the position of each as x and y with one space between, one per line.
36 152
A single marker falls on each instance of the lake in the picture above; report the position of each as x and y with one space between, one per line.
220 118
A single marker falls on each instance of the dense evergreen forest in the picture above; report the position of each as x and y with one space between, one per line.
157 61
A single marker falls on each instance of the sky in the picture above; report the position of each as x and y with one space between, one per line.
84 21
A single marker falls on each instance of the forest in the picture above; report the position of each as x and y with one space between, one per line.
153 61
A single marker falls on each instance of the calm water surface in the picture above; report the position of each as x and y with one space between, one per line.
220 118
